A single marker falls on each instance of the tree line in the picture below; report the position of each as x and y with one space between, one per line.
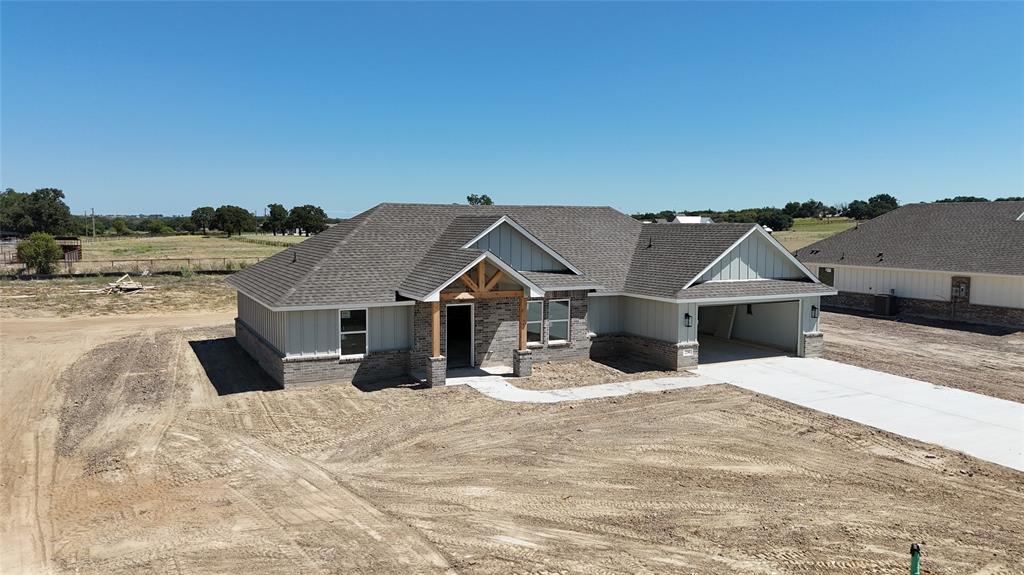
779 219
45 210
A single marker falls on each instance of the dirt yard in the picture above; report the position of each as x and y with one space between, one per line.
60 298
561 375
143 444
982 360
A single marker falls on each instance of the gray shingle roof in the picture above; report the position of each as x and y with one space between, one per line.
755 288
981 237
667 257
416 247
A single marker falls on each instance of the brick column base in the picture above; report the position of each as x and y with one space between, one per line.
436 369
814 344
686 355
522 362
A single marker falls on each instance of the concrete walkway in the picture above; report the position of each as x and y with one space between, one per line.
984 427
497 387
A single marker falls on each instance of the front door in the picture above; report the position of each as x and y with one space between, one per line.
459 338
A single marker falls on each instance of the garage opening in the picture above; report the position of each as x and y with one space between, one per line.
747 330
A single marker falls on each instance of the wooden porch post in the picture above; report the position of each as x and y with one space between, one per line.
436 329
522 320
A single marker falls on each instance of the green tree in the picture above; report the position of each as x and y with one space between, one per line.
961 199
882 204
233 220
48 211
202 217
481 200
277 219
13 217
792 208
775 219
39 252
120 226
1011 199
308 218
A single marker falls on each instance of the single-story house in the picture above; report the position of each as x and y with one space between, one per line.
407 289
957 261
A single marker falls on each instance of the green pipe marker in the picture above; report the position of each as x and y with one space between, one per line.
915 559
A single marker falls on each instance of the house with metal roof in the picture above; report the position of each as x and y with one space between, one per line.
956 261
406 289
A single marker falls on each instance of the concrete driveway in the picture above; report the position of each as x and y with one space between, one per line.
984 427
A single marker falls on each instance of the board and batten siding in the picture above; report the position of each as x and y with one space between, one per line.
1002 291
754 258
315 333
517 250
390 327
775 324
644 317
270 325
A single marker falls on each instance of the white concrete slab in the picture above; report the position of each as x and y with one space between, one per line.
498 388
984 427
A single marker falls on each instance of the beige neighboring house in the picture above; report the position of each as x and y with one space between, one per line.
955 261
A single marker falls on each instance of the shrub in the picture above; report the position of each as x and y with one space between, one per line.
230 265
186 272
39 251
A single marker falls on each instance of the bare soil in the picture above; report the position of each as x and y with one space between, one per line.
974 358
547 375
152 444
60 297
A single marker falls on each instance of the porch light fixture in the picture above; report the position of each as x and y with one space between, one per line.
688 319
814 311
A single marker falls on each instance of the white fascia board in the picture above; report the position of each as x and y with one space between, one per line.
721 256
881 268
535 290
547 249
734 299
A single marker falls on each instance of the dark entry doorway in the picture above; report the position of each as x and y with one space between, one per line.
460 335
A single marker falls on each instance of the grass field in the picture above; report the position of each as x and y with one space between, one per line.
806 231
147 247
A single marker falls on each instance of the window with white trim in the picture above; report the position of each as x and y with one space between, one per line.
534 321
558 321
352 325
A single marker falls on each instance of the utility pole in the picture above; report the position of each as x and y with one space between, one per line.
93 222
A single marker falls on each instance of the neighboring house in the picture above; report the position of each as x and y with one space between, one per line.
684 219
958 261
407 288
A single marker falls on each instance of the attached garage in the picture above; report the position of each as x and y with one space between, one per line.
742 330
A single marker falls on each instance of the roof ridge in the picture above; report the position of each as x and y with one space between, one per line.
316 266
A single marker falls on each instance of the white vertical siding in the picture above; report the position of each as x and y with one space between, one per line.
604 314
913 284
517 251
312 333
1003 291
754 258
638 316
390 327
809 323
269 325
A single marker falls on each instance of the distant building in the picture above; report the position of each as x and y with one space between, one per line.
684 219
962 261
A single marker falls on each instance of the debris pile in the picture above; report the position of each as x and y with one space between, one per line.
124 284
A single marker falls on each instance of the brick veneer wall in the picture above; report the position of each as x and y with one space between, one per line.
664 354
376 366
953 311
814 344
496 331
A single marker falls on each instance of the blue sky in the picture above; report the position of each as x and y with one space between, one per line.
147 108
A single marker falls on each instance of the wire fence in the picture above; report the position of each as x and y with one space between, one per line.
138 266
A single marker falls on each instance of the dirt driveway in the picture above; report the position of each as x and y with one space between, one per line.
979 359
149 455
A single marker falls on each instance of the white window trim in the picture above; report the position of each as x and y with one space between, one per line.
567 320
540 342
366 347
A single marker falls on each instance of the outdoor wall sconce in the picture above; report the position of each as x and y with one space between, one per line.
688 319
814 311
